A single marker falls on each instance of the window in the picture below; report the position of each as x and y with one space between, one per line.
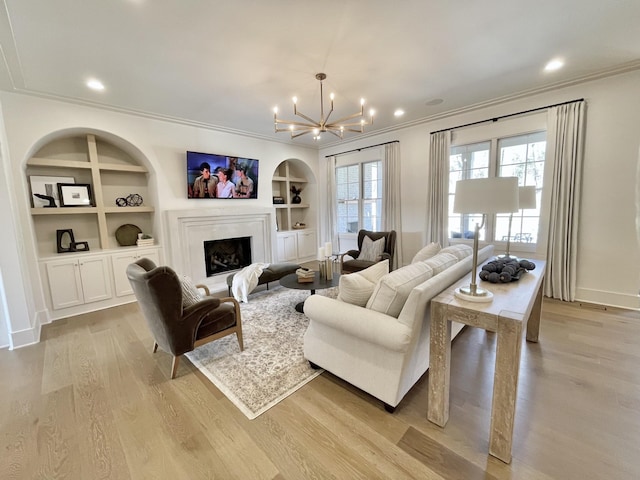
521 156
359 196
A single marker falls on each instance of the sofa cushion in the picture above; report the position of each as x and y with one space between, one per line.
461 251
441 262
371 251
190 294
394 288
426 252
357 287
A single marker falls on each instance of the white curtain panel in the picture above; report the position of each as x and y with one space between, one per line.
330 227
438 175
391 207
565 135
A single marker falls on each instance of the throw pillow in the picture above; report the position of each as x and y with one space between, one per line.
357 287
394 288
441 262
371 251
461 251
426 252
190 294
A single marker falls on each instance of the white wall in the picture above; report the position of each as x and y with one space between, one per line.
29 122
608 250
609 253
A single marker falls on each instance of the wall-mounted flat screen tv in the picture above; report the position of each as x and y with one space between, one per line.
221 176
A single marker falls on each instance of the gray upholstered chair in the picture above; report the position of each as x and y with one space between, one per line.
179 329
355 265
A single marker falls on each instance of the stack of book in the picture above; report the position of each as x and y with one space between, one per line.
305 275
145 242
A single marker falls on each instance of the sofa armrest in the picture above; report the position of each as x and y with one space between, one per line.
359 322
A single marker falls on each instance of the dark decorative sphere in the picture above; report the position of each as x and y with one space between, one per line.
121 202
505 277
494 277
134 200
490 267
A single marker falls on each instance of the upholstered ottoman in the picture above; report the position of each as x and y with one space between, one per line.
272 273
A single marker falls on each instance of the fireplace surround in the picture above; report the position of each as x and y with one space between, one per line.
189 229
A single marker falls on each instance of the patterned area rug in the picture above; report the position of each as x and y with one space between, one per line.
272 365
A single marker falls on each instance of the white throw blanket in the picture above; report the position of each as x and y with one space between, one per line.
246 280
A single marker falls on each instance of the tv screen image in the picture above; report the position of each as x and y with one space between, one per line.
221 176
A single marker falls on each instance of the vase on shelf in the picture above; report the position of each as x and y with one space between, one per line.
296 199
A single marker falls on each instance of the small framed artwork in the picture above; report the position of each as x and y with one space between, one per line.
74 194
44 189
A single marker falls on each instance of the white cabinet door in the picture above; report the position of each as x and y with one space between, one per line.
96 281
120 261
287 247
307 246
65 283
77 281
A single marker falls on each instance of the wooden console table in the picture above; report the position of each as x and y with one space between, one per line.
514 305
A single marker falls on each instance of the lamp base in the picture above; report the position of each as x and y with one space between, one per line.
480 295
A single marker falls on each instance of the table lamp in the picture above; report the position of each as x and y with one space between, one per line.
485 196
526 199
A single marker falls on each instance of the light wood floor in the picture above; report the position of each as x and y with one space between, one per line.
91 401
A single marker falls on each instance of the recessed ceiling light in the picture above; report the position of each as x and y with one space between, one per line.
94 84
554 65
398 113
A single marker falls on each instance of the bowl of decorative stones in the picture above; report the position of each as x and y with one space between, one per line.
505 269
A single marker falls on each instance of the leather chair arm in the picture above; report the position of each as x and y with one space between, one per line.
351 253
193 315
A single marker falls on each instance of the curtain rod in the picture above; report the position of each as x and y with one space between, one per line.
495 119
363 148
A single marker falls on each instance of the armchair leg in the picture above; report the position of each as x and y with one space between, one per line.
155 347
174 366
240 341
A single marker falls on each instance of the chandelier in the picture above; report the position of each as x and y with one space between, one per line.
337 127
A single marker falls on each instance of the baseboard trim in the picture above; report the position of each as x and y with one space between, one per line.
613 299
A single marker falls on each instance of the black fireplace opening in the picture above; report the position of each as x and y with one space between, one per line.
225 255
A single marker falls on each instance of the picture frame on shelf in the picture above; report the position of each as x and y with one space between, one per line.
47 187
74 194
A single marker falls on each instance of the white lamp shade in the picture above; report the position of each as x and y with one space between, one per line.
527 197
486 195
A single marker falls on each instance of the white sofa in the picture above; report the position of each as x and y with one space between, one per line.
377 352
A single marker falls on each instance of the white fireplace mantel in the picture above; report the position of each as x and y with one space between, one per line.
189 229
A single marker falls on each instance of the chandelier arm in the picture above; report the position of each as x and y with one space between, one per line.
298 124
336 133
294 135
325 120
305 129
302 115
350 117
345 125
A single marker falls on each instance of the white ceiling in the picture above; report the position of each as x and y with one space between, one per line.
226 64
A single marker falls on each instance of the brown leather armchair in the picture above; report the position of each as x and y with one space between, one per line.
355 265
179 329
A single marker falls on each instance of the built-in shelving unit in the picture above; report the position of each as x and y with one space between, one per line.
111 174
79 282
293 244
288 214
